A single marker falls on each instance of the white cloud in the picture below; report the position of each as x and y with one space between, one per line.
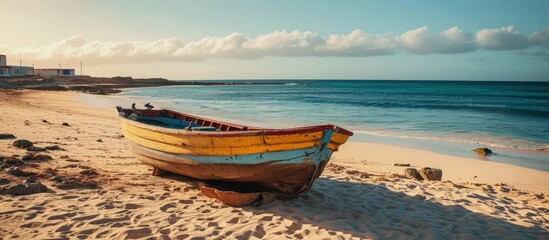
358 44
235 45
227 46
452 40
540 37
505 38
278 43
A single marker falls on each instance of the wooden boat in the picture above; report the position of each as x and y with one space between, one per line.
284 161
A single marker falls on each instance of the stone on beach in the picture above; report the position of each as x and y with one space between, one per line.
401 164
37 157
66 124
73 183
13 161
412 173
53 147
433 174
22 143
15 171
36 149
482 151
23 188
89 172
57 179
6 136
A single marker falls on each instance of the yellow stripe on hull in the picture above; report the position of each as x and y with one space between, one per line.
195 140
339 138
336 140
215 151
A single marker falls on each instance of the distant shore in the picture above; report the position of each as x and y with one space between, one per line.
99 85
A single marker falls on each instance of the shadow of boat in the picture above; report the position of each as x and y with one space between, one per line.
373 211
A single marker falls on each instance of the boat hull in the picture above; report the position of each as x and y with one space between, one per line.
283 161
286 176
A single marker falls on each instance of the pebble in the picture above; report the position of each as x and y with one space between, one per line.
23 188
14 161
35 149
38 157
22 143
57 179
15 171
53 147
6 136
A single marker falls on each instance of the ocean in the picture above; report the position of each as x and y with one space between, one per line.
511 116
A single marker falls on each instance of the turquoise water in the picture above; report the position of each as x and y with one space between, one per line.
506 115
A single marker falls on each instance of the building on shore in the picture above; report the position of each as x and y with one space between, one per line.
4 69
14 71
3 61
9 71
48 72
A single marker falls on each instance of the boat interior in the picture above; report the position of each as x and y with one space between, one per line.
176 120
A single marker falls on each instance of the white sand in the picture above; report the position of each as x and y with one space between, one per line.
341 205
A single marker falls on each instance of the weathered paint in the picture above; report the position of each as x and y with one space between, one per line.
284 160
196 143
214 150
216 139
313 155
286 172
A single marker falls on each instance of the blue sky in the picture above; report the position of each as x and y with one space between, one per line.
482 40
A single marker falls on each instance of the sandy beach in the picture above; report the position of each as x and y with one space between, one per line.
360 195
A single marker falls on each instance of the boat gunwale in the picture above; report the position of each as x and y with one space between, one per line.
253 131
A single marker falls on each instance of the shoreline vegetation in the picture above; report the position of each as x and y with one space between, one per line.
100 85
90 186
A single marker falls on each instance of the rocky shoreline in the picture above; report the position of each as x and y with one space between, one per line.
100 85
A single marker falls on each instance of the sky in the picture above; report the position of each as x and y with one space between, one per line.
195 40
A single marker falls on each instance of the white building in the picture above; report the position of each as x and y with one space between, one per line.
5 71
48 72
11 71
3 61
22 71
